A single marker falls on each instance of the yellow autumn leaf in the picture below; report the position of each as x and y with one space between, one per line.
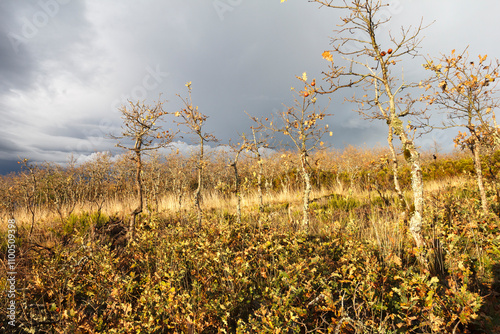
434 279
188 84
331 133
461 265
304 76
327 55
321 143
283 1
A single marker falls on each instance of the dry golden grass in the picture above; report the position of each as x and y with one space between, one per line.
384 227
213 200
438 185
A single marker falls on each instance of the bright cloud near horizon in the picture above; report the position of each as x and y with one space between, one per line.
67 65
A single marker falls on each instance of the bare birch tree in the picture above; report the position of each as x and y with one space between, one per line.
238 148
258 141
139 127
30 188
301 124
194 120
467 93
370 66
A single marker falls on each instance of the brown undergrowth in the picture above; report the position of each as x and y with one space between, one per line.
354 271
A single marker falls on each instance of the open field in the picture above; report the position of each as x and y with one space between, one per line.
192 229
354 269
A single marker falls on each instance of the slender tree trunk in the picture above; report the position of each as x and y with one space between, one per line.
413 157
32 211
418 196
237 187
394 165
179 197
31 202
479 175
307 190
260 173
197 194
259 183
138 185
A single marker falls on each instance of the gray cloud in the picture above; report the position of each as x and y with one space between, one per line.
9 147
16 68
66 65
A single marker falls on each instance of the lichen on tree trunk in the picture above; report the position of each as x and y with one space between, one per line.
394 166
307 191
417 185
418 198
476 152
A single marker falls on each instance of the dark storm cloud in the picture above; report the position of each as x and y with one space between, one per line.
40 39
9 147
67 65
16 67
8 165
248 61
40 43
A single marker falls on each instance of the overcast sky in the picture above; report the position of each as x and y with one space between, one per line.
67 65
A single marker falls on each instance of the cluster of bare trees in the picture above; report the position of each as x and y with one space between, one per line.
104 181
465 90
462 88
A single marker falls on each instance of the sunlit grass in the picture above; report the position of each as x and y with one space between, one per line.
356 252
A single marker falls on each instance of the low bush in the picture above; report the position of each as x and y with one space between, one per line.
245 279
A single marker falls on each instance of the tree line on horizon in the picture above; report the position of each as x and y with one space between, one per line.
461 87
